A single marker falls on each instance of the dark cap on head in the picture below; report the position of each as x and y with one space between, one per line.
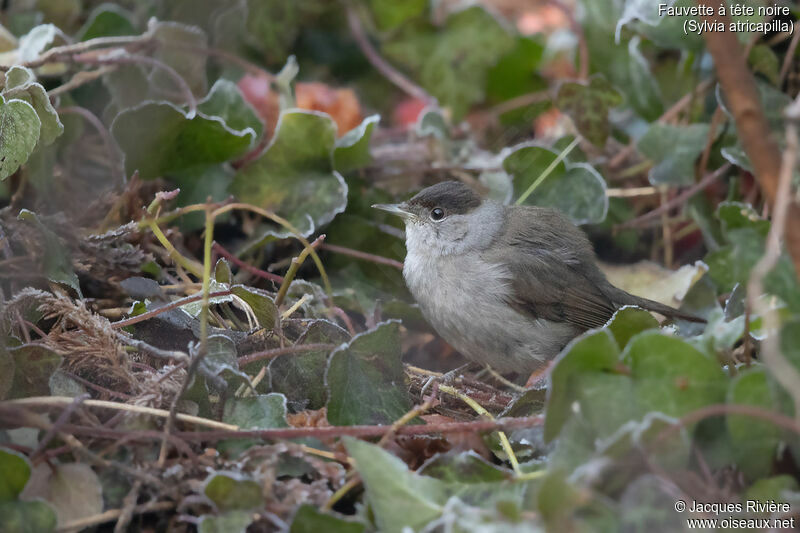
452 196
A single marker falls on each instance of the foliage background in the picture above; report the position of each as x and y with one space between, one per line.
203 325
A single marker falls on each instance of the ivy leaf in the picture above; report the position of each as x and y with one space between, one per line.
177 43
399 498
27 517
257 412
230 522
309 519
35 41
225 100
366 379
755 442
15 470
57 264
674 149
159 138
232 490
261 303
629 321
764 61
592 353
588 107
389 14
576 189
301 376
107 20
33 366
20 83
294 177
19 133
453 63
73 489
671 376
352 148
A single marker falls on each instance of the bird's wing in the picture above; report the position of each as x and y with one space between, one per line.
552 269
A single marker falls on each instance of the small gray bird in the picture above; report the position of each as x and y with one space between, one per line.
507 286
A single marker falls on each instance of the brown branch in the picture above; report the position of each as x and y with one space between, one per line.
246 266
271 354
164 308
755 135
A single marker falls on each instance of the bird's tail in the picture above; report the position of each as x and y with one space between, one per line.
656 307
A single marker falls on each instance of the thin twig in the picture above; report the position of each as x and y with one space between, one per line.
380 64
294 267
113 514
677 200
787 59
276 352
163 309
246 266
362 255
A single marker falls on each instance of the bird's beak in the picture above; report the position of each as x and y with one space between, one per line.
396 209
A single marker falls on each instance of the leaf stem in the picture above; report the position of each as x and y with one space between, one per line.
293 268
189 265
564 153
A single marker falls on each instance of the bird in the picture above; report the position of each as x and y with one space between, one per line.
507 286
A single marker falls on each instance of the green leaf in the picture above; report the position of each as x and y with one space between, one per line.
197 184
230 522
515 74
588 107
453 63
301 376
464 467
755 442
671 376
398 498
33 366
57 265
589 354
737 215
35 41
15 470
771 488
177 49
20 83
264 411
225 100
107 20
629 321
366 381
19 133
231 490
577 190
27 517
674 149
294 177
389 14
308 519
352 148
158 138
261 303
731 264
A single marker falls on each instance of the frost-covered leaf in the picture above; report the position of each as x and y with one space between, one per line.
452 63
231 490
671 376
35 41
399 498
20 83
653 281
674 149
366 381
294 177
159 138
177 45
263 411
261 303
225 100
19 131
352 148
629 321
576 189
230 522
107 20
73 489
309 519
588 107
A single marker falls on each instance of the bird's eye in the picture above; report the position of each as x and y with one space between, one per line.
437 213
